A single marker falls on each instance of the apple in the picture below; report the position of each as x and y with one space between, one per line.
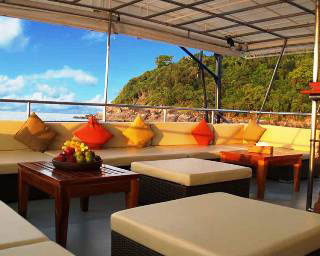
69 151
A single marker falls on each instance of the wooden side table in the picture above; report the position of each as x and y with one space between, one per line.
262 163
63 186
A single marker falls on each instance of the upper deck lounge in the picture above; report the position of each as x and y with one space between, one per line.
241 28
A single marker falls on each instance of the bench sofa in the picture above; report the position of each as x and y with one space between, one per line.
18 237
172 140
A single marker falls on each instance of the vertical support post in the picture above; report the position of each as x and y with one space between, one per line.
272 79
218 85
106 80
29 108
165 115
205 97
314 109
212 117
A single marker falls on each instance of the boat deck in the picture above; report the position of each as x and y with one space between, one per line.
89 233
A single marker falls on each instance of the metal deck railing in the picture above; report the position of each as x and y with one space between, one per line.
165 109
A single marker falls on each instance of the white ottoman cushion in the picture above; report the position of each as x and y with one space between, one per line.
220 224
47 248
15 230
192 171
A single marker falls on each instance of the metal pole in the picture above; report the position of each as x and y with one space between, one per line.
205 97
314 109
272 79
106 80
218 85
29 108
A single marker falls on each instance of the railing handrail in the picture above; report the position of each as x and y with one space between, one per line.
29 102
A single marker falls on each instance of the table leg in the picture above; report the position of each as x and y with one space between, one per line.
132 195
84 204
262 170
23 196
297 174
62 203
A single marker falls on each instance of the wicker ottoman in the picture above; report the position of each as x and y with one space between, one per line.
165 180
215 224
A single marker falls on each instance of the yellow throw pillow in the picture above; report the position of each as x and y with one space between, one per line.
253 132
138 133
35 134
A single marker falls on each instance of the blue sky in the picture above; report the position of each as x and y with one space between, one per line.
50 62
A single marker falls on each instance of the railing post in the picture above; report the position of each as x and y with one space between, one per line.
29 108
212 117
165 115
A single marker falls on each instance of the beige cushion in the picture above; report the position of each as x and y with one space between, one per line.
228 134
15 230
253 132
9 159
47 248
7 131
172 133
287 137
192 171
125 156
220 224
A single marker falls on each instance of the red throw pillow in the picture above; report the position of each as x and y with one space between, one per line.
202 133
93 134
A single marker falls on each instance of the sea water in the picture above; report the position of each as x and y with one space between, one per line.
10 115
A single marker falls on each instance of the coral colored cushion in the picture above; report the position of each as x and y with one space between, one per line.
139 133
93 134
253 132
202 133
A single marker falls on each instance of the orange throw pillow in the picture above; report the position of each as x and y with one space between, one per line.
202 133
93 134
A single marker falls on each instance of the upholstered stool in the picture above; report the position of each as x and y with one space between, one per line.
47 248
15 230
165 180
215 224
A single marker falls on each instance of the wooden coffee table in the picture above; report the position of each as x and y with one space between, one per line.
262 162
63 186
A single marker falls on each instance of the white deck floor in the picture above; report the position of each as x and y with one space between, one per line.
89 233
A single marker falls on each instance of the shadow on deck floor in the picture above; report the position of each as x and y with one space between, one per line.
89 233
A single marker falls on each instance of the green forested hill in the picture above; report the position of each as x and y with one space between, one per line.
244 84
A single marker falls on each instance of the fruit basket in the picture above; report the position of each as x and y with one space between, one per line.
76 156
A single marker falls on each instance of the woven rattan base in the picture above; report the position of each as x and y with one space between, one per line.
123 246
154 190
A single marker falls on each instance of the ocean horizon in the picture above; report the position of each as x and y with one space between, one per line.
13 115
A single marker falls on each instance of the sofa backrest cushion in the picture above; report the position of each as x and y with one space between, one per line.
287 137
173 133
7 131
228 134
64 132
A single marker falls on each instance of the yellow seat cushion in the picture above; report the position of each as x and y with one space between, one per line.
192 171
47 248
15 230
139 134
220 224
9 159
35 134
253 132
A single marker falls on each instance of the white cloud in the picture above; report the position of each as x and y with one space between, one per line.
96 99
8 85
47 93
78 75
11 34
94 36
